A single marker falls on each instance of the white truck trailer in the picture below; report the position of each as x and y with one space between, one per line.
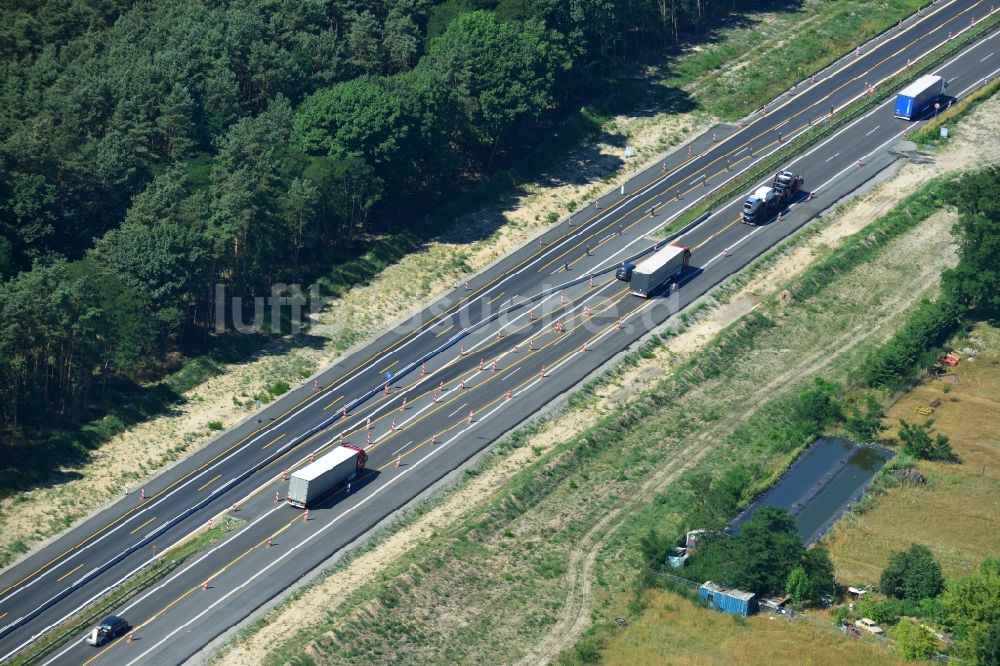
914 98
654 271
319 478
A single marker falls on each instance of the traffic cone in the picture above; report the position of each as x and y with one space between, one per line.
368 437
434 439
714 138
131 637
480 364
620 324
778 219
859 163
471 413
142 494
441 387
586 310
423 369
312 457
204 585
498 334
285 475
584 347
403 405
343 411
689 151
210 521
513 349
269 542
467 286
461 383
531 345
591 281
493 366
236 507
531 314
809 197
305 516
461 350
385 390
543 371
435 398
509 394
392 426
398 459
368 424
277 497
341 436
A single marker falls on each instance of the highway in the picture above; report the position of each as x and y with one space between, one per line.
461 400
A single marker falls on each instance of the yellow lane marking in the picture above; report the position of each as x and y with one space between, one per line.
613 208
619 296
216 574
208 483
333 402
143 525
69 573
707 240
451 326
503 396
272 441
496 297
391 365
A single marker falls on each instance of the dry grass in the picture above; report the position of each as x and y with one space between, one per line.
448 604
955 514
673 630
400 290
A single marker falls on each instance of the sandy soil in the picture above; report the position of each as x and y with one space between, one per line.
146 449
971 147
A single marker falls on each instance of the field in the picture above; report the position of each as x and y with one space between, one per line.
955 513
520 563
213 394
672 630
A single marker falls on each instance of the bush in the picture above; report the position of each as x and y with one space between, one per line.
215 425
912 574
278 388
920 441
912 640
915 344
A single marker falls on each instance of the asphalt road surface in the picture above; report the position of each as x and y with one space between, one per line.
486 380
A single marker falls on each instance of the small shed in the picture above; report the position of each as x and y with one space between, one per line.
727 599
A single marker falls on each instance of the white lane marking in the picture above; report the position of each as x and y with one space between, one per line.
163 584
740 240
873 130
308 402
458 410
396 452
510 374
986 58
832 157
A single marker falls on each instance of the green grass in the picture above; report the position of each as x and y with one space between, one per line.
505 559
779 52
169 561
930 133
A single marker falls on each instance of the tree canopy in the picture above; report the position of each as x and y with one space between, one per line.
912 574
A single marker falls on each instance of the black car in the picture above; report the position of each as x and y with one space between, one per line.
111 628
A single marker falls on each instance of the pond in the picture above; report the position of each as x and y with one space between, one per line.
822 482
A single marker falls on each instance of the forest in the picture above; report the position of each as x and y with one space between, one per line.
150 151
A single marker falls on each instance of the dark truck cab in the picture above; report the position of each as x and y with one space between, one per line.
624 272
109 629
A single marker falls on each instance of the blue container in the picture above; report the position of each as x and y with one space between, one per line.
727 599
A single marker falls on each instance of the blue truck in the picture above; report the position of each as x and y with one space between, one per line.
912 100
